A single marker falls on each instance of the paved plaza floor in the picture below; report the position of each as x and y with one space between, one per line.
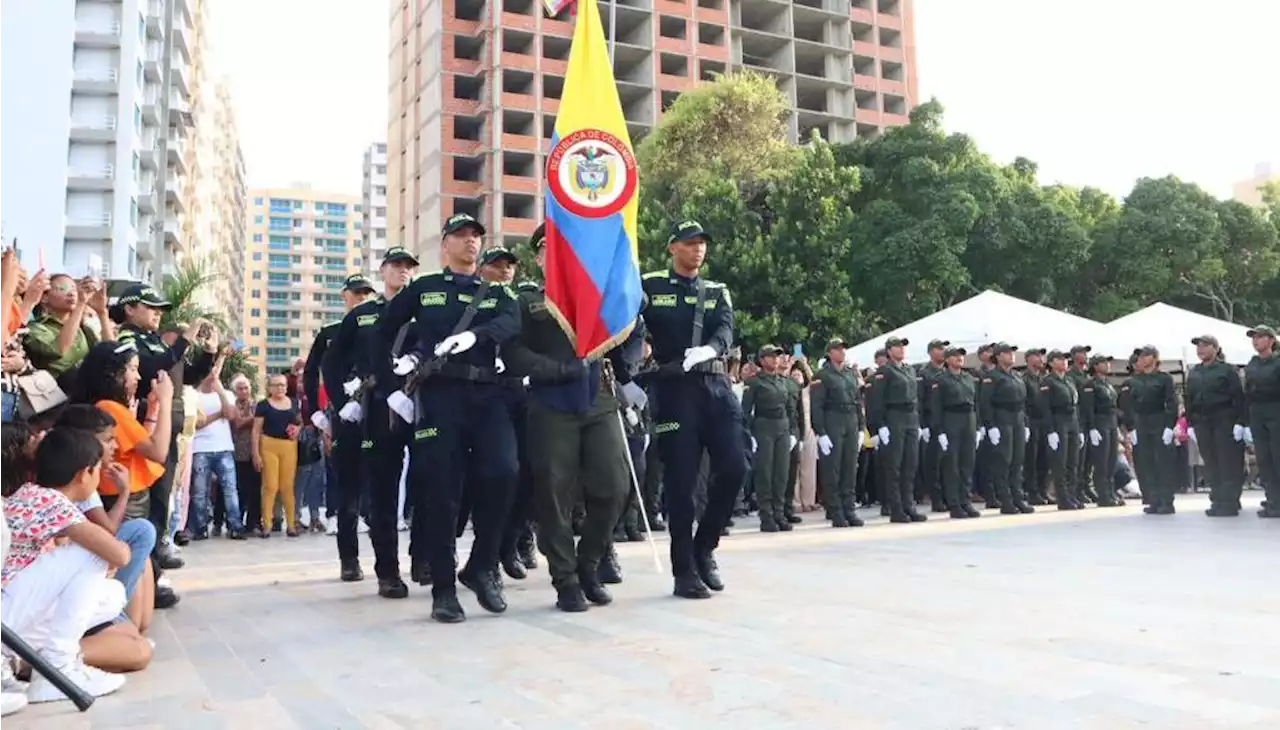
1103 619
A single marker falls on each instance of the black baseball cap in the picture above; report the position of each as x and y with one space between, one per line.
1077 349
1056 355
896 342
1147 350
1205 340
938 344
1035 351
539 237
398 253
1262 330
835 343
1094 360
687 231
769 350
144 294
357 282
495 254
458 221
999 347
954 350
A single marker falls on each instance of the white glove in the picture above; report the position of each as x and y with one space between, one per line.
499 365
1080 436
1054 441
1167 436
633 420
525 381
943 441
1248 435
982 433
1026 433
1133 438
404 364
696 355
1095 437
351 412
884 435
794 441
824 445
1191 433
647 438
924 435
320 420
402 405
875 442
1237 432
454 344
754 445
351 386
635 395
993 435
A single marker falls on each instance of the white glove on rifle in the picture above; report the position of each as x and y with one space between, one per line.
1054 441
982 433
351 412
697 355
1237 432
454 344
993 435
646 442
794 441
499 365
404 364
1095 437
825 445
884 435
875 442
1191 434
351 386
924 435
1167 436
1080 436
1026 433
1248 435
635 395
632 419
402 405
754 445
943 442
320 420
1133 438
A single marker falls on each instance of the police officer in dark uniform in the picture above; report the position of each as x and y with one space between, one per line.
1002 411
982 462
460 413
369 452
1154 413
930 478
1035 465
1064 437
1262 394
892 413
1216 415
1078 374
694 408
1099 410
769 407
953 408
835 412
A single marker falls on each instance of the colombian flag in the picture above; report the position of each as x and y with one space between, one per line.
593 270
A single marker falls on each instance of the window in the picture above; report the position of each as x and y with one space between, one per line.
380 169
257 255
257 219
297 205
257 238
279 224
139 74
256 294
278 243
279 205
137 119
257 201
277 260
257 276
255 312
133 212
295 314
253 331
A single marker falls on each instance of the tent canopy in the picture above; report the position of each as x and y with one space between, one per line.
988 317
1170 330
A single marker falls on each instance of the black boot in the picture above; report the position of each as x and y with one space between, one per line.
166 597
1269 513
634 534
958 513
446 609
938 506
351 571
1037 500
528 555
899 517
690 586
794 519
420 572
915 516
853 519
392 588
592 589
512 566
767 524
656 522
970 511
708 571
839 521
1220 510
620 534
570 599
609 571
485 585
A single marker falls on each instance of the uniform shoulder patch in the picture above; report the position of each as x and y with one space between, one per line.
511 294
527 286
714 284
125 335
428 274
654 275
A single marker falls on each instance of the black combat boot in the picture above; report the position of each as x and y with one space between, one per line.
853 519
970 510
938 506
915 516
767 524
958 513
794 518
351 571
446 609
690 585
709 571
609 570
392 588
484 583
512 566
783 524
570 599
1222 510
899 516
592 589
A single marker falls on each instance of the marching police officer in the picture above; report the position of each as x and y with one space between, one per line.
1262 393
1035 465
1154 412
694 408
892 413
368 451
982 461
1002 412
930 484
1078 374
769 408
835 410
1099 406
952 407
1063 438
458 406
1216 415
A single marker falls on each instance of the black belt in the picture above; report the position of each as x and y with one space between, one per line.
470 373
959 409
1063 412
673 369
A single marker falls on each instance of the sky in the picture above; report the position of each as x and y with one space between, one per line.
1098 92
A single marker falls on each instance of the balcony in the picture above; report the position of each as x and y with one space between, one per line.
148 159
146 202
89 228
177 155
98 35
155 20
94 129
173 192
182 40
151 112
95 82
151 71
178 75
179 111
101 179
172 231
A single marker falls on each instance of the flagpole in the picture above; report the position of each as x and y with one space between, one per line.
613 30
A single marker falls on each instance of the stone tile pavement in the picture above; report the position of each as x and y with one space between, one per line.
1097 619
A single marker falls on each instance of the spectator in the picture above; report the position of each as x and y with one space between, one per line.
13 363
804 471
248 480
59 338
275 451
310 482
10 273
213 454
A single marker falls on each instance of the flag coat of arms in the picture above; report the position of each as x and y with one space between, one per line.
592 268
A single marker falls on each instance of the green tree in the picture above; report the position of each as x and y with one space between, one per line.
182 289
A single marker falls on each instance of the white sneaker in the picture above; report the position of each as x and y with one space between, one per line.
94 681
11 702
362 527
304 519
331 526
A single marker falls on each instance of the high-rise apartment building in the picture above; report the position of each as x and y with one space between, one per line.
1249 191
300 246
374 210
475 86
94 90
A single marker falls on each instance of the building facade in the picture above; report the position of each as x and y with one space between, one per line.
1249 191
374 209
94 139
475 86
300 246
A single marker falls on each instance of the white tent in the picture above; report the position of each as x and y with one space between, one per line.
1170 330
988 317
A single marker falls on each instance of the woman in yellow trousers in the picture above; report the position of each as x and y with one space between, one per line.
276 422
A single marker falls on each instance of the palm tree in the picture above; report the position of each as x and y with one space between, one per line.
181 289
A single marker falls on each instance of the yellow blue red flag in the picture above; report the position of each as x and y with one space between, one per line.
592 268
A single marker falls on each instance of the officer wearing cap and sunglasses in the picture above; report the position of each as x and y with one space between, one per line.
691 322
1262 393
893 415
368 450
457 407
1002 412
1153 413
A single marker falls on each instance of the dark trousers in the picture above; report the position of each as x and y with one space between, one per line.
382 459
867 491
956 463
694 412
249 489
1103 457
518 526
461 424
1223 458
1264 422
839 469
1035 464
1063 463
631 518
793 481
898 461
930 483
1154 463
160 491
1005 461
982 472
346 458
652 483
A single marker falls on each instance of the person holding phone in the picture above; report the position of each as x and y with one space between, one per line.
59 339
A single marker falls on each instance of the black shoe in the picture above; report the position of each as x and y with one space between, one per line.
917 517
1010 510
529 557
182 539
593 590
485 585
351 571
609 571
200 536
853 519
1037 500
938 507
899 517
970 511
657 524
634 534
958 513
1165 510
785 526
1066 506
708 571
1267 513
1024 508
691 586
991 504
512 566
794 519
1150 509
217 530
420 572
169 561
571 599
1089 496
839 521
1218 511
446 609
619 534
768 525
392 588
236 535
884 511
166 597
